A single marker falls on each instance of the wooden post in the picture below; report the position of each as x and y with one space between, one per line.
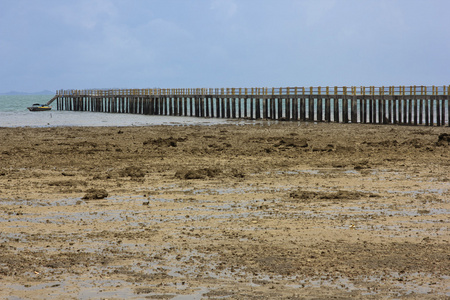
354 108
447 97
233 106
404 110
438 110
311 107
327 108
196 106
345 106
295 108
432 110
415 107
336 105
421 108
380 109
265 108
257 109
363 108
302 108
252 109
175 105
201 102
183 103
156 105
319 106
374 106
204 105
217 102
150 104
222 107
272 108
190 105
443 110
410 106
280 106
395 110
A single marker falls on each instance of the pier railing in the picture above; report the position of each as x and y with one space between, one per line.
410 105
318 90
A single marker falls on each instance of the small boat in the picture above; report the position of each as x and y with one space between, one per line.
39 107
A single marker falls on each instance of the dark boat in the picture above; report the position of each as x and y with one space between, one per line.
39 107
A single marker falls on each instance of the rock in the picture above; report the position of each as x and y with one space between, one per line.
132 171
292 143
94 194
444 139
160 142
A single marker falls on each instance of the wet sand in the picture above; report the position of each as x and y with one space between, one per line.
266 211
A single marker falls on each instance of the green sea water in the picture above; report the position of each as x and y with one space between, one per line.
14 113
12 103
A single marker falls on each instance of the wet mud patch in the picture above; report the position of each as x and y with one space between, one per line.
355 259
341 195
203 173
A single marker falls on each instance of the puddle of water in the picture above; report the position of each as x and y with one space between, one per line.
38 202
418 192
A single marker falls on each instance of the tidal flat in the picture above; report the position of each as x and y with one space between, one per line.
259 211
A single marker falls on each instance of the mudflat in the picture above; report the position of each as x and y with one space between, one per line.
264 211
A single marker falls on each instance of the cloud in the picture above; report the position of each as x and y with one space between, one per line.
86 14
224 8
53 44
317 12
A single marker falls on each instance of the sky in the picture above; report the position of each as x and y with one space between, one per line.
84 44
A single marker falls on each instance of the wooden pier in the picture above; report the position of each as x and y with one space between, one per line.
408 105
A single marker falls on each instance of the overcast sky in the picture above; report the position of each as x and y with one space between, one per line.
81 44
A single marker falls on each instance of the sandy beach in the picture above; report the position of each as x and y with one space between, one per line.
264 211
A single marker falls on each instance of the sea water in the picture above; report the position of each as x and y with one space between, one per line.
14 113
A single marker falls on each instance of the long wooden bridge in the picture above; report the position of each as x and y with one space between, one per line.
409 105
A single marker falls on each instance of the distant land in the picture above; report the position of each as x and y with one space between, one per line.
12 93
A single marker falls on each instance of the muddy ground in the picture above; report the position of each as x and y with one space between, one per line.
263 211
